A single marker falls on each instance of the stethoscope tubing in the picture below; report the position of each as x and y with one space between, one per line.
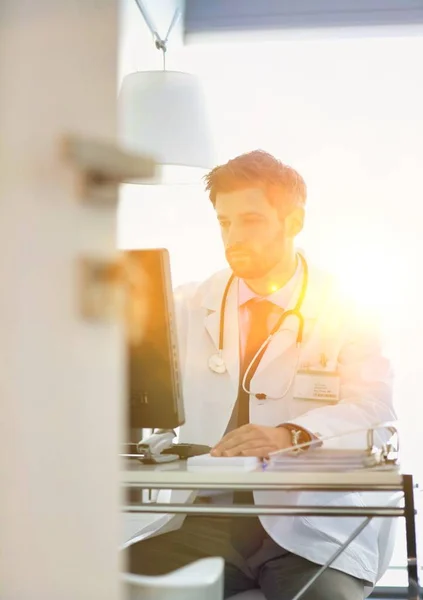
295 312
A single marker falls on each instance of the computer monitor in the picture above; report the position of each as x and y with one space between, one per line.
153 370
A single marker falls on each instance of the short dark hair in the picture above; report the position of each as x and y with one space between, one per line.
261 169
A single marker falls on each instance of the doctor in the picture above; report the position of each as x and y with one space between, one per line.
272 356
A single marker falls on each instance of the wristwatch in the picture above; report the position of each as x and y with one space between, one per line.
299 436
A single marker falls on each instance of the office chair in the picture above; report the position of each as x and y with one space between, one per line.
201 580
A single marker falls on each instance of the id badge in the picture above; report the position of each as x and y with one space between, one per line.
319 386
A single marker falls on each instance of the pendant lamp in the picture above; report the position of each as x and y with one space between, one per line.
163 114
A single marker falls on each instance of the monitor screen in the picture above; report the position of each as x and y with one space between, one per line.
153 376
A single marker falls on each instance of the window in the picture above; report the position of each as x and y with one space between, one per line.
346 113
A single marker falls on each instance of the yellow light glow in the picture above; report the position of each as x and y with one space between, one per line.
375 279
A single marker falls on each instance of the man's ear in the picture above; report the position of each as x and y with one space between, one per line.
294 222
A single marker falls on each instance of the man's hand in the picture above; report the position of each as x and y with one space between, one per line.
253 440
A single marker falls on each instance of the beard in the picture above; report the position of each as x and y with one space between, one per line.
249 263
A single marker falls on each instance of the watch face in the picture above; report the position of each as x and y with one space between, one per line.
298 436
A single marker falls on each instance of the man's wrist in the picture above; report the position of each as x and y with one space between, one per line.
284 437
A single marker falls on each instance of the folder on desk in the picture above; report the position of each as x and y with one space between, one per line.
384 455
321 459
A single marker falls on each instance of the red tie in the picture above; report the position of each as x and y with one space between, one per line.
258 331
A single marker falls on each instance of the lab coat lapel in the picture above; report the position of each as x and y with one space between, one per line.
212 302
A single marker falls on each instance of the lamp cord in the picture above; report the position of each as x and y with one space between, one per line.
161 44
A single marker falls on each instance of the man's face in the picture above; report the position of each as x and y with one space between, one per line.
252 232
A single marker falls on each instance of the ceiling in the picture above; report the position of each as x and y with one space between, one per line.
205 17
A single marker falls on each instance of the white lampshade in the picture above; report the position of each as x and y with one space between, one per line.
162 114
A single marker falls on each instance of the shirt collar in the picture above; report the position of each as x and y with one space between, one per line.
280 298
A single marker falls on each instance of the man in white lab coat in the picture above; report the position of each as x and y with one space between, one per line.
258 395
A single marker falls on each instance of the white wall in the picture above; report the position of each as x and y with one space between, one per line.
61 379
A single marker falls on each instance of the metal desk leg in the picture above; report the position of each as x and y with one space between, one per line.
347 542
410 528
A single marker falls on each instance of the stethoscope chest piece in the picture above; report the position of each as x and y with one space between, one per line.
217 364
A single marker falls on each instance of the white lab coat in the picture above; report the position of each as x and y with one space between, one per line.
333 328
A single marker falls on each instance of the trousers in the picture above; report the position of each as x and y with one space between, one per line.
252 560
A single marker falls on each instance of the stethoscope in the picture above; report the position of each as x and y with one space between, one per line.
217 362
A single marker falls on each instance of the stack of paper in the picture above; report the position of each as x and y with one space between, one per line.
320 459
222 463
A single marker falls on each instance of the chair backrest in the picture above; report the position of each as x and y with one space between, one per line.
201 580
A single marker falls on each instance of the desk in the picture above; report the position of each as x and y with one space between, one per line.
177 476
